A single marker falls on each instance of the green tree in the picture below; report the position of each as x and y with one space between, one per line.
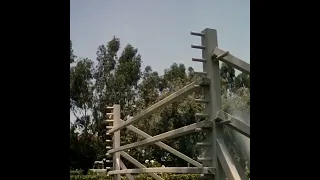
81 91
242 80
231 82
227 75
72 56
152 89
82 145
116 82
83 149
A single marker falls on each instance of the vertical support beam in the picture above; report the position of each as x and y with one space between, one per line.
116 140
212 93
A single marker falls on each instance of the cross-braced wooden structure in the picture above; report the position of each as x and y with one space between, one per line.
216 162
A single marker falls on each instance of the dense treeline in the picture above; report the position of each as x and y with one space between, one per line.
117 78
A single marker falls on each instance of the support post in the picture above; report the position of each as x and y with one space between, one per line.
116 141
212 93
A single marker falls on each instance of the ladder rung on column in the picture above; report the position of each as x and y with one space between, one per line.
197 34
204 158
197 46
199 60
224 122
201 101
202 115
201 73
203 144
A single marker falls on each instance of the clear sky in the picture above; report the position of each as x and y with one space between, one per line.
160 29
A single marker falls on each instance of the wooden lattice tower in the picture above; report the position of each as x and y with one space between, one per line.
215 161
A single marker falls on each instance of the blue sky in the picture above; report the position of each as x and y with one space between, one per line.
160 29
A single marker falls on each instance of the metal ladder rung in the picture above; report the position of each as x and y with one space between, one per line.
203 144
201 101
202 115
197 46
204 158
199 60
197 34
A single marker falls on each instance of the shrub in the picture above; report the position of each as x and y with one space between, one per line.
90 177
76 172
139 177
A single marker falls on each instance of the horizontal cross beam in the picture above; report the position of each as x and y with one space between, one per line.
234 123
179 170
232 61
168 135
161 104
138 164
164 146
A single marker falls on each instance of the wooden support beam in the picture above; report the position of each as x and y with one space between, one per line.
123 167
233 61
178 170
138 164
116 141
164 146
226 161
234 123
170 134
212 94
161 104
